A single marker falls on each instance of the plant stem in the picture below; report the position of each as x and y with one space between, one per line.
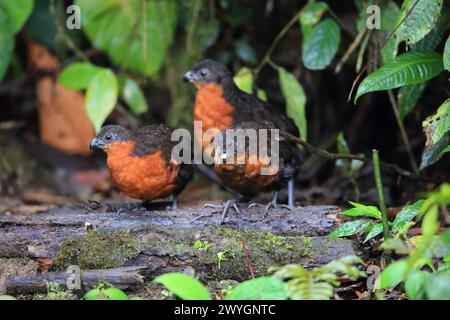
403 131
381 203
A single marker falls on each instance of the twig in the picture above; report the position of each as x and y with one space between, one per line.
350 49
274 44
335 156
377 52
403 131
247 259
341 24
60 30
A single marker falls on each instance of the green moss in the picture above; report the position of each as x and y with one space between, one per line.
98 249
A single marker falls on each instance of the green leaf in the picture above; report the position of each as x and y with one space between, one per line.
18 12
414 284
392 275
134 38
245 52
430 223
133 96
447 54
434 152
101 97
105 294
408 68
437 286
419 22
78 75
376 230
408 96
262 288
6 44
321 44
350 228
435 36
407 214
6 297
295 99
362 210
389 15
347 167
183 286
438 125
311 14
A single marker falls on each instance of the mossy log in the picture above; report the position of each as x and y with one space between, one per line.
161 241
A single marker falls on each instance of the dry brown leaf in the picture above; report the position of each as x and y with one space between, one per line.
64 123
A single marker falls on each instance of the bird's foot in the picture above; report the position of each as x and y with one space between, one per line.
225 208
270 205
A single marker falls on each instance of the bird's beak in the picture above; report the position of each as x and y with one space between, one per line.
189 77
96 144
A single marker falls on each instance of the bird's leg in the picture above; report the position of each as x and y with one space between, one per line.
226 207
291 197
271 204
174 205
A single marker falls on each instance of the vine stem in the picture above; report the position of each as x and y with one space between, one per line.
403 131
60 30
379 185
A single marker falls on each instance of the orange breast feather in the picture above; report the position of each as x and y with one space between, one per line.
212 109
142 177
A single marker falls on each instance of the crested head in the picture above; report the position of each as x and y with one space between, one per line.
109 135
208 71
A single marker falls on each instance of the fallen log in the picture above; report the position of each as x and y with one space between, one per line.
162 241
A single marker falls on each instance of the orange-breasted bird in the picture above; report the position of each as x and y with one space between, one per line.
140 161
220 104
248 169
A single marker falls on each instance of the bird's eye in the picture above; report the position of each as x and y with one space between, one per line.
108 137
203 72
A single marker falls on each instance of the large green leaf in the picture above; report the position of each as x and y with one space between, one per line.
17 11
419 22
6 44
447 54
131 36
434 152
321 44
78 75
101 97
350 228
414 284
408 96
133 96
295 99
408 68
184 286
262 288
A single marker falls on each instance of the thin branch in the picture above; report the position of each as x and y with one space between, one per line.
247 259
336 156
350 49
403 131
378 51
